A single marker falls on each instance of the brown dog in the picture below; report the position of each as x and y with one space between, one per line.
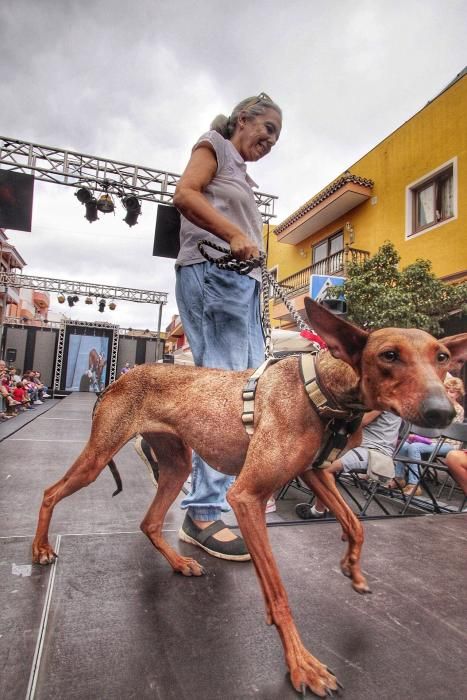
190 407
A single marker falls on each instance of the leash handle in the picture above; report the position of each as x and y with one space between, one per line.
243 267
227 261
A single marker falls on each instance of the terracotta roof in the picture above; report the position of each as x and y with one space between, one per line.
321 196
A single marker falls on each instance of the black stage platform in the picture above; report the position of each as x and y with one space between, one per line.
110 619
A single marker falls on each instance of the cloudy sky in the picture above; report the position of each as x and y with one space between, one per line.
139 82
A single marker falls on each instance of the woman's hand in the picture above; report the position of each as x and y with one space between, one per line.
242 247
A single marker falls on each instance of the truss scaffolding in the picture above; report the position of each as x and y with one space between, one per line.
101 291
63 167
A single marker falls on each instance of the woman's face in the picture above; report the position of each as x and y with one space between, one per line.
254 137
453 394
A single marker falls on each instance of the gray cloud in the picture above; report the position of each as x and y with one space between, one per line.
139 82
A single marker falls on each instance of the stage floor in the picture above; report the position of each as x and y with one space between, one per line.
111 620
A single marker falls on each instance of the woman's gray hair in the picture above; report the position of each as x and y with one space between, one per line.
252 107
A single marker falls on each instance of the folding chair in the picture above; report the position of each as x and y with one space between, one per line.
421 468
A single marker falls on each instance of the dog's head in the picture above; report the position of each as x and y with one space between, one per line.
400 370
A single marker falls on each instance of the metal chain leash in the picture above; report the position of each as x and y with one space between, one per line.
243 267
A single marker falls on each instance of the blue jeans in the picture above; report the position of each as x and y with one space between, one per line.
417 451
220 313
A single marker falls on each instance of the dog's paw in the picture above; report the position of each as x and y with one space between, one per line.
190 567
43 555
310 674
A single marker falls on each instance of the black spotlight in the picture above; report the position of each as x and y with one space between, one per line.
72 300
102 305
84 195
133 209
91 210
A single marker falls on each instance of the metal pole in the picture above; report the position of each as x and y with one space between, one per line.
3 292
159 321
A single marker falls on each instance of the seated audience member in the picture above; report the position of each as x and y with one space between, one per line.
5 398
31 388
41 388
21 395
456 461
420 448
380 433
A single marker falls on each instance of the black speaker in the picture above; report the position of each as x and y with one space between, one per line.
167 235
16 195
10 355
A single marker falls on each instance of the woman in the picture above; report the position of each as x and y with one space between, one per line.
418 450
456 462
219 309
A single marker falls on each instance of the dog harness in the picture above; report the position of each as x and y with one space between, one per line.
341 422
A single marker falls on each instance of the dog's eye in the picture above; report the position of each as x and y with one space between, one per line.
443 357
389 355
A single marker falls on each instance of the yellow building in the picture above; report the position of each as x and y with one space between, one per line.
410 189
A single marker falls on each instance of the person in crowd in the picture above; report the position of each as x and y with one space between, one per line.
456 461
126 368
7 403
419 448
380 433
220 309
42 390
21 395
31 388
15 375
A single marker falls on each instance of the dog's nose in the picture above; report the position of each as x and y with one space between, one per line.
437 412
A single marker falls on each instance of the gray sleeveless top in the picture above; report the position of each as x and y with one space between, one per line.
231 193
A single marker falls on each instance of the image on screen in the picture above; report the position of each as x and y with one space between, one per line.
86 368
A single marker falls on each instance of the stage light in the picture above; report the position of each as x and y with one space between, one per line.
105 204
133 209
61 298
91 210
112 306
84 195
102 305
72 300
88 300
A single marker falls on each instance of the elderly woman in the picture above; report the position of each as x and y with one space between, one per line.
220 309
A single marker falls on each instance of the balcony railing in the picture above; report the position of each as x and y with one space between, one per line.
335 264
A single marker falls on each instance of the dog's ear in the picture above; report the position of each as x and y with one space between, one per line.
344 340
457 346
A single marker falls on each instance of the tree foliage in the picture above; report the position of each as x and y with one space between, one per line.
379 295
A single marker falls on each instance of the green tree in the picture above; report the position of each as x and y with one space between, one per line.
379 295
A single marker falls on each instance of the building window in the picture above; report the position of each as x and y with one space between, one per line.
432 201
327 255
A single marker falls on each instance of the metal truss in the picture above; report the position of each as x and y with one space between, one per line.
113 355
64 326
44 324
102 291
59 358
63 167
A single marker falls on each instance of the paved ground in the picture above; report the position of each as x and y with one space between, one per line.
110 619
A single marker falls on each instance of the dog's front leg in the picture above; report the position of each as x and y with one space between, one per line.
248 499
323 484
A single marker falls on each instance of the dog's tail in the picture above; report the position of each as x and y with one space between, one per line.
116 475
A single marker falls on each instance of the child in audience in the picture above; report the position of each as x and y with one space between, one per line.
21 395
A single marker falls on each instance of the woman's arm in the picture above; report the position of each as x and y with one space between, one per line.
191 202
